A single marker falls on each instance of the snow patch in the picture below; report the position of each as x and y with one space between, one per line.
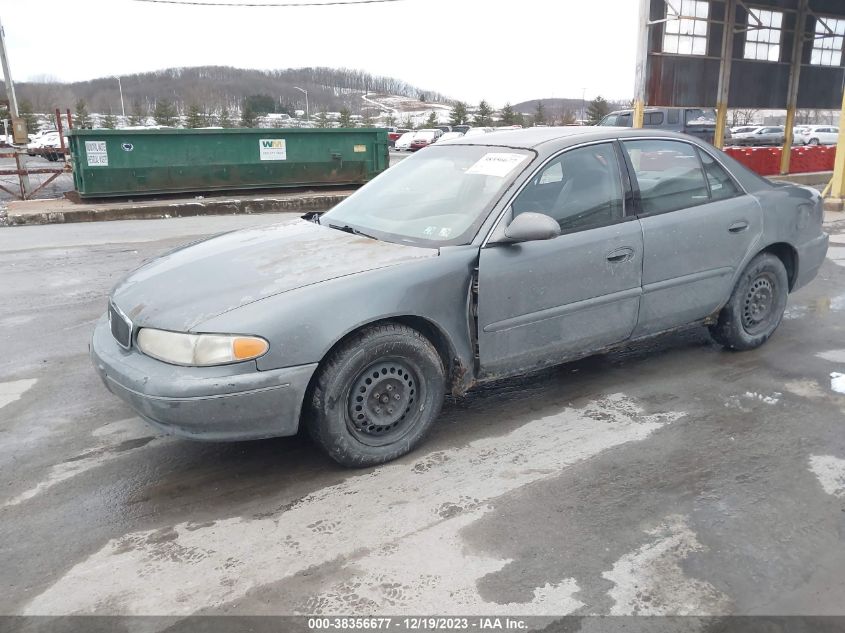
837 382
830 471
415 506
12 391
407 579
772 399
650 581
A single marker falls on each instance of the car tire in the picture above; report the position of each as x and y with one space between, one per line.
756 306
376 396
813 141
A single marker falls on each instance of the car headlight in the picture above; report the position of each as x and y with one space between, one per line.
200 350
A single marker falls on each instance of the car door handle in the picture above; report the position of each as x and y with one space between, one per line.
738 227
620 255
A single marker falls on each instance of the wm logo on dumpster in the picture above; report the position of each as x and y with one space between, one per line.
272 149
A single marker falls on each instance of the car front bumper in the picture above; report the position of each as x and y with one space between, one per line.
225 403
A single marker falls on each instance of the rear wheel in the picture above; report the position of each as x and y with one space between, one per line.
377 396
756 306
814 141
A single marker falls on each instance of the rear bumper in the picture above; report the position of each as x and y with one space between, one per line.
810 258
228 403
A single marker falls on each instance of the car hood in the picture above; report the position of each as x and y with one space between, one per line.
194 283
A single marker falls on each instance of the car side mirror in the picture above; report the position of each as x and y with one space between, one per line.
530 227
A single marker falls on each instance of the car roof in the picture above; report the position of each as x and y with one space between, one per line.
530 138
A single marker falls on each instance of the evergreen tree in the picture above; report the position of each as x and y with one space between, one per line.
484 116
165 113
540 114
225 120
248 117
81 118
431 121
367 121
508 115
322 119
458 115
597 110
25 112
260 104
346 118
195 117
109 121
407 123
137 117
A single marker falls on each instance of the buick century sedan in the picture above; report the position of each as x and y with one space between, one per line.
476 259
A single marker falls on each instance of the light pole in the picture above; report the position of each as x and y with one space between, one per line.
305 92
122 106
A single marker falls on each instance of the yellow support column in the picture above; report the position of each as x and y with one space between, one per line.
639 113
721 124
837 189
786 154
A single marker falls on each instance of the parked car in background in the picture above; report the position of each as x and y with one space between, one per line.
698 122
475 131
760 136
393 135
818 135
44 143
449 136
461 128
35 141
743 129
445 128
403 143
461 265
424 138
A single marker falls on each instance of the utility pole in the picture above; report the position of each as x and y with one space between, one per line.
642 64
305 92
122 105
13 112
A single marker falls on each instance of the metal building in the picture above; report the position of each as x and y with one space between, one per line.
767 54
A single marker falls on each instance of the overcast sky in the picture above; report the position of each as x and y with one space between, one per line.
467 49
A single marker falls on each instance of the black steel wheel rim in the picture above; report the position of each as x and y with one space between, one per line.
758 308
384 401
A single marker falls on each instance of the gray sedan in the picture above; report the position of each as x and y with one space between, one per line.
473 260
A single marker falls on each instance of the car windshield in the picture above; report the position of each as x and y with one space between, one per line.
437 197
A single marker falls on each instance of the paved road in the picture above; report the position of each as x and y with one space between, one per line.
671 477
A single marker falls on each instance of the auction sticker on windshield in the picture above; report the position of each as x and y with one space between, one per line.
272 149
498 164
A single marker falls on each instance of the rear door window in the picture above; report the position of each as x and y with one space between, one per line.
669 175
722 186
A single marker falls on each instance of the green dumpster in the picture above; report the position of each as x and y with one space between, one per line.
156 161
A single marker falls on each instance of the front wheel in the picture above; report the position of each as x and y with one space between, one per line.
377 396
814 141
756 306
